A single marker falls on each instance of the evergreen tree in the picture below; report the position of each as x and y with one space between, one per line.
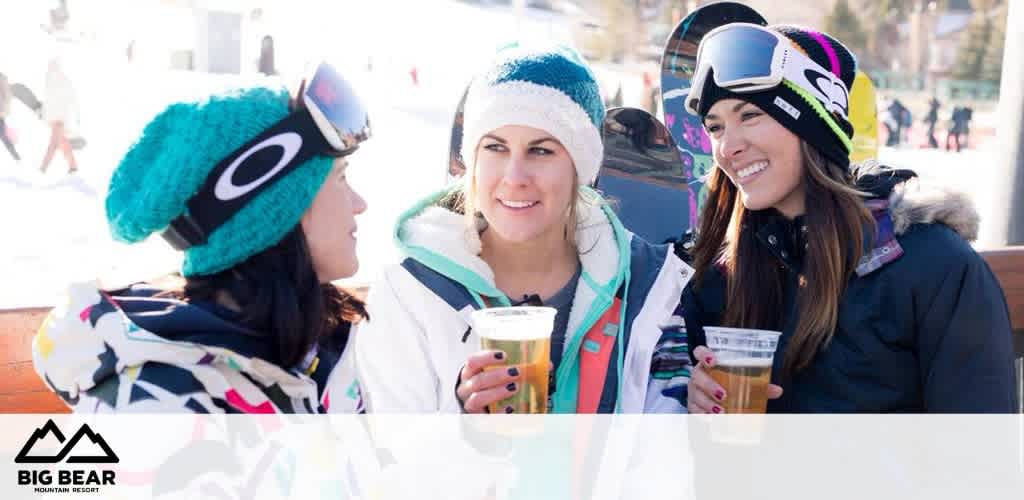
972 49
981 50
992 63
613 42
882 18
844 25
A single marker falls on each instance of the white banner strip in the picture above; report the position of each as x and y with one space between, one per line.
931 457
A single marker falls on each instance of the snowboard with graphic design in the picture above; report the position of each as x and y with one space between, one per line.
677 67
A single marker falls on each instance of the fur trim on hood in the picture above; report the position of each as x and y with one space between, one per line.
912 201
915 202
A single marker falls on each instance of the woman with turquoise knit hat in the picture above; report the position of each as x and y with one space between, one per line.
525 227
251 185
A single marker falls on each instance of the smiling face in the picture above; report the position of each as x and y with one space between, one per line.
760 156
330 226
524 182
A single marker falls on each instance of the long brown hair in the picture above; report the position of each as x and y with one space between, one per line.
836 219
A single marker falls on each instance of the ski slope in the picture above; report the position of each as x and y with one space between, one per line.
53 227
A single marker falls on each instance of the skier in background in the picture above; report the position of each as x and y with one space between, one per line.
5 109
266 63
895 122
931 118
958 127
965 129
60 109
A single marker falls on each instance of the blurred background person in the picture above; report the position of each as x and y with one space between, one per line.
930 119
60 109
5 109
266 63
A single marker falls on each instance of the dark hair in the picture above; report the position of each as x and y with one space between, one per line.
836 219
278 292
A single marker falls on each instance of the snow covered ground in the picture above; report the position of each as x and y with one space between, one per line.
52 228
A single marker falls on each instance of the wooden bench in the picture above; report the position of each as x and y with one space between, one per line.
1008 266
21 391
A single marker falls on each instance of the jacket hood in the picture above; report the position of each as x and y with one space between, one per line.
912 201
95 336
915 202
897 200
436 234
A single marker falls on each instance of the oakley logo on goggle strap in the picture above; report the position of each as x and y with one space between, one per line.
831 92
226 189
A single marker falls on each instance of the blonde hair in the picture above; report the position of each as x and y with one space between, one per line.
463 200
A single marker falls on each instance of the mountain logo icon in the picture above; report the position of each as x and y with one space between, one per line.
84 432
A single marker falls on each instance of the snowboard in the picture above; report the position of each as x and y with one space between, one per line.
864 118
642 175
677 67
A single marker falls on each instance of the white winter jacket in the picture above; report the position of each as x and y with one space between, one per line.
624 330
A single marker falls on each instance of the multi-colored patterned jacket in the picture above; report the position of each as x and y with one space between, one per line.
139 352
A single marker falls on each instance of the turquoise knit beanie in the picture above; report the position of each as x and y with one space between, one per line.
544 86
171 160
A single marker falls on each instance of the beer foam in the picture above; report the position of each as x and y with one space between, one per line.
520 332
514 323
746 362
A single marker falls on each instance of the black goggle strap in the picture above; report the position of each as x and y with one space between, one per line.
259 163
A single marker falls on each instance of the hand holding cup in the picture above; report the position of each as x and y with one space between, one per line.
523 337
485 380
706 395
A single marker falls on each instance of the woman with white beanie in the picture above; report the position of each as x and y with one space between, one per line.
525 227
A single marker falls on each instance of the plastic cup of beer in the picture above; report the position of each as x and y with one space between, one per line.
524 335
743 366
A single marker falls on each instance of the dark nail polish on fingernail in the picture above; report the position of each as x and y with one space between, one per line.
513 371
511 387
708 360
499 355
719 395
509 409
717 409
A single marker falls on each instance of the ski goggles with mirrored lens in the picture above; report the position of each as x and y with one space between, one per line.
326 118
748 58
337 111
